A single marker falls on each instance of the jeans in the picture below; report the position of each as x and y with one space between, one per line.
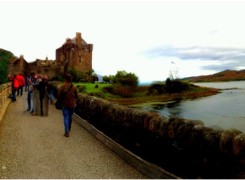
67 114
51 96
27 87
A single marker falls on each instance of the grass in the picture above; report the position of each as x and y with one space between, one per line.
140 95
90 88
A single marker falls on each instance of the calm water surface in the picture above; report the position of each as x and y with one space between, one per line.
224 110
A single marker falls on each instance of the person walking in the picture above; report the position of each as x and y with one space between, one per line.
42 88
27 80
68 96
31 83
21 81
50 90
15 86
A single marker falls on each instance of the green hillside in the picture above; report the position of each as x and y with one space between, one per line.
227 75
5 56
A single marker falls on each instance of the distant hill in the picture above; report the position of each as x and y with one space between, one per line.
227 75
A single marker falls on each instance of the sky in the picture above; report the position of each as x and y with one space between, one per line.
150 38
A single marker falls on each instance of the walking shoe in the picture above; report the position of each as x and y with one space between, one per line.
66 134
34 114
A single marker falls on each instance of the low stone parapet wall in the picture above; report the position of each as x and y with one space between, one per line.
184 147
5 91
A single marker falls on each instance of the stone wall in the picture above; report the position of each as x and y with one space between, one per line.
82 59
186 148
17 65
47 67
75 53
5 90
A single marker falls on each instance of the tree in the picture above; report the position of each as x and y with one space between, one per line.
168 87
108 79
5 56
126 79
175 86
78 76
124 83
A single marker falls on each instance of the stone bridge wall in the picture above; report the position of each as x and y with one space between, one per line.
5 90
186 148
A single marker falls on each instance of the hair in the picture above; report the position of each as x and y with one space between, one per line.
68 77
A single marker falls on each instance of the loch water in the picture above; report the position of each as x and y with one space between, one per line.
224 110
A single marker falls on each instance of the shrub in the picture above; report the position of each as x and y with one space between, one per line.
108 89
81 88
124 91
176 86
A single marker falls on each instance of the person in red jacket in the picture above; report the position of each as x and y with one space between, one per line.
15 86
21 81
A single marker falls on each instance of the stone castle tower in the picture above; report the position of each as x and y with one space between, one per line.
75 54
17 65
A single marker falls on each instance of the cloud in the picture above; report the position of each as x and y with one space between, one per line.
221 58
197 52
224 65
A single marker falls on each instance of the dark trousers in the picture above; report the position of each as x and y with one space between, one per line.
29 101
20 91
13 94
41 104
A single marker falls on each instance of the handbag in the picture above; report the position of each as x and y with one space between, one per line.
58 104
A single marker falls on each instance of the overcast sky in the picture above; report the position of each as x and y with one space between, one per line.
148 38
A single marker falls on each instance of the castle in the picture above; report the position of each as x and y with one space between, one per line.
74 54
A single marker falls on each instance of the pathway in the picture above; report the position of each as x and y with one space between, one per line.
34 147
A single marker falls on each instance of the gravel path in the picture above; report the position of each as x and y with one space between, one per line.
34 147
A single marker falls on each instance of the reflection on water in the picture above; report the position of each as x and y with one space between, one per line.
225 110
172 108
